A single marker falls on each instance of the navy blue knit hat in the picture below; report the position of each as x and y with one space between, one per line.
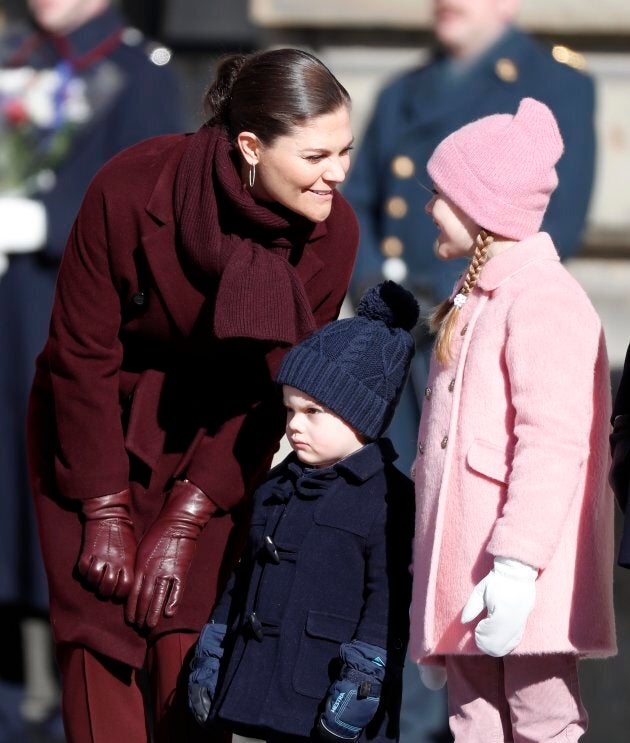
358 367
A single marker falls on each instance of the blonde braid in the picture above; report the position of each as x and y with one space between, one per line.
444 319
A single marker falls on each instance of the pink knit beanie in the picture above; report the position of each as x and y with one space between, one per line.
500 169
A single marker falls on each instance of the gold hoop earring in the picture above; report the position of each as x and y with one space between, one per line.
251 176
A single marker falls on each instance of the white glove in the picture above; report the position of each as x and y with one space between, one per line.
433 677
23 225
508 592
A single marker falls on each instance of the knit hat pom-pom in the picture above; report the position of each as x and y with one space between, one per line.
390 303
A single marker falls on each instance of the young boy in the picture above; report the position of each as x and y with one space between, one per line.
311 632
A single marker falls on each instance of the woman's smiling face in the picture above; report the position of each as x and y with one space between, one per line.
301 170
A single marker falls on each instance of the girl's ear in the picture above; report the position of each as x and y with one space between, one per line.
249 146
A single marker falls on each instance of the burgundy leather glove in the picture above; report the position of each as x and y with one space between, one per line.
165 553
109 545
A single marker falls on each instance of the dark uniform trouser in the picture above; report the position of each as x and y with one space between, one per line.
103 700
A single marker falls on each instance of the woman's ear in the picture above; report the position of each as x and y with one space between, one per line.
249 145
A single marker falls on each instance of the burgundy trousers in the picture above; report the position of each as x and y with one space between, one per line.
105 701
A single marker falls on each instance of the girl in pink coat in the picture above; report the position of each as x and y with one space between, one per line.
514 539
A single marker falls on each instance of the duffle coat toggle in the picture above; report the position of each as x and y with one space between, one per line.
277 554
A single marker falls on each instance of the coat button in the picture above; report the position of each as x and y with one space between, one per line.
427 393
403 166
451 385
392 247
444 442
139 298
255 626
396 207
506 70
394 269
420 447
272 552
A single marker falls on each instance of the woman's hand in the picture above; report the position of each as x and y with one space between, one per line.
508 592
109 545
165 553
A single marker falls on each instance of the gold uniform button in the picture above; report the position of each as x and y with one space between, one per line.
397 207
392 247
427 393
403 166
444 442
506 70
567 56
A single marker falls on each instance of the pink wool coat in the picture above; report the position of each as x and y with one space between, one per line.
512 461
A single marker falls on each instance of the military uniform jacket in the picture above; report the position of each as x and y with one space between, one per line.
336 570
416 111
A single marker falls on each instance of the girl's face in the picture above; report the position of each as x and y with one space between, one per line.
302 169
318 436
458 231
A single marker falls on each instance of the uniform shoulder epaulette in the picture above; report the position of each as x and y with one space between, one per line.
155 52
570 57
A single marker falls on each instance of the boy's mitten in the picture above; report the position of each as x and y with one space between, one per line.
202 681
508 592
354 698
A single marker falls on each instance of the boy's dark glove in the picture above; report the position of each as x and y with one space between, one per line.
165 553
109 545
202 681
354 698
619 477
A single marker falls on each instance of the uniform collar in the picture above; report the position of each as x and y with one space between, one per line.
538 247
90 34
470 84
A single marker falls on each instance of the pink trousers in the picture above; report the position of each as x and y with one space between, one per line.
516 699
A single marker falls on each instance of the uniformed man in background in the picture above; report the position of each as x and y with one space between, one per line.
482 64
76 87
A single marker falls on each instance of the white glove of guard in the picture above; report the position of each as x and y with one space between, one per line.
23 225
508 592
433 677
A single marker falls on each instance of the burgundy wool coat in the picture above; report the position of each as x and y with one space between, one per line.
136 385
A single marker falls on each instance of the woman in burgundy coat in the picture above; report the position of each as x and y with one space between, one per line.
194 263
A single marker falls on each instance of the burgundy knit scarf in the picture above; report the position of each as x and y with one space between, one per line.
247 250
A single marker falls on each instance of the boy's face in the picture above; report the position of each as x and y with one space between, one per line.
318 436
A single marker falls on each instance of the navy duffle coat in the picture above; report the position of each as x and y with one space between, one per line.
342 536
